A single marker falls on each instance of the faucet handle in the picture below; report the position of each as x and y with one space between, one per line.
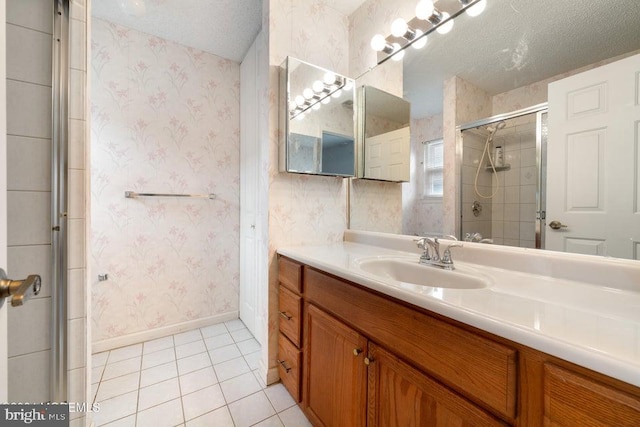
421 243
446 256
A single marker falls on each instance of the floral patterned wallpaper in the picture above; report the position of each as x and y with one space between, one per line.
303 209
165 120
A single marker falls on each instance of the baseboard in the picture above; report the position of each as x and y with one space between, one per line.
151 334
270 375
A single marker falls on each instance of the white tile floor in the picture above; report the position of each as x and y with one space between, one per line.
206 377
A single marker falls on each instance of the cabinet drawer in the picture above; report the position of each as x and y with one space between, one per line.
290 309
290 274
289 361
481 369
573 400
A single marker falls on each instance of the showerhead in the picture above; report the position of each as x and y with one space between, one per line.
500 125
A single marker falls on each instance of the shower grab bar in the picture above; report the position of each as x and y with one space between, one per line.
133 195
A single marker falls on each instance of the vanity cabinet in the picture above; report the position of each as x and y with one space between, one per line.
335 373
571 399
400 395
369 359
289 339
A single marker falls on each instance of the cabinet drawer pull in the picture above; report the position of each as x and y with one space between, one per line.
285 315
368 361
356 352
285 367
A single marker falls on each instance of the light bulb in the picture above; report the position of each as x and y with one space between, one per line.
348 85
419 43
399 27
337 94
445 28
326 100
398 54
300 100
307 93
317 86
424 9
378 43
329 78
477 8
316 106
292 105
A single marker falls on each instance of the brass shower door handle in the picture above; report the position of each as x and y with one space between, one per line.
19 290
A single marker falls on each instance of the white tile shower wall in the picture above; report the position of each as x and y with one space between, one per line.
78 360
474 141
165 119
29 34
420 214
513 221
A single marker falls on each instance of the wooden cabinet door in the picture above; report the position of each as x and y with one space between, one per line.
573 400
334 372
401 396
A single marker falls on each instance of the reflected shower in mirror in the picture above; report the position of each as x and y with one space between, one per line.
501 191
317 118
384 144
510 60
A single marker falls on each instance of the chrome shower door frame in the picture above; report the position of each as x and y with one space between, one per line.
60 112
538 110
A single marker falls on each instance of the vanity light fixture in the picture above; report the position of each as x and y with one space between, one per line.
321 92
414 32
399 53
476 9
446 24
400 28
379 44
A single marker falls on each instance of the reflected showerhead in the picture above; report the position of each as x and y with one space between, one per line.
500 125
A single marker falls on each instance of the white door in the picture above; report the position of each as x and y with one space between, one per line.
387 155
249 167
3 200
593 178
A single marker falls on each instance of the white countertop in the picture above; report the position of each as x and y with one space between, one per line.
597 327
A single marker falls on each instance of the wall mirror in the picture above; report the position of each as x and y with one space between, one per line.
463 84
384 135
317 119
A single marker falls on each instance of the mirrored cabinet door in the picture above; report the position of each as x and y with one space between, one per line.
317 120
384 137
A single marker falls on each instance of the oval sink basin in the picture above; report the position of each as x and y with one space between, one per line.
404 270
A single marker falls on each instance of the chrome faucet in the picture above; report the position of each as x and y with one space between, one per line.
433 257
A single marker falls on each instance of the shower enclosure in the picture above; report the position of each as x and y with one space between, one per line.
502 178
38 206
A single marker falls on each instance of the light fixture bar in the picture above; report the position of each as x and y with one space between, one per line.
392 45
319 96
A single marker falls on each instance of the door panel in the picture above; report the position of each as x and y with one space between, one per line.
593 184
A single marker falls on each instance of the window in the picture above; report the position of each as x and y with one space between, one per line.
433 161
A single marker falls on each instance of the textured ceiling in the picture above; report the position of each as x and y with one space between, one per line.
519 42
225 28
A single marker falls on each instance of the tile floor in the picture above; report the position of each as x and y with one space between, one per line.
205 377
